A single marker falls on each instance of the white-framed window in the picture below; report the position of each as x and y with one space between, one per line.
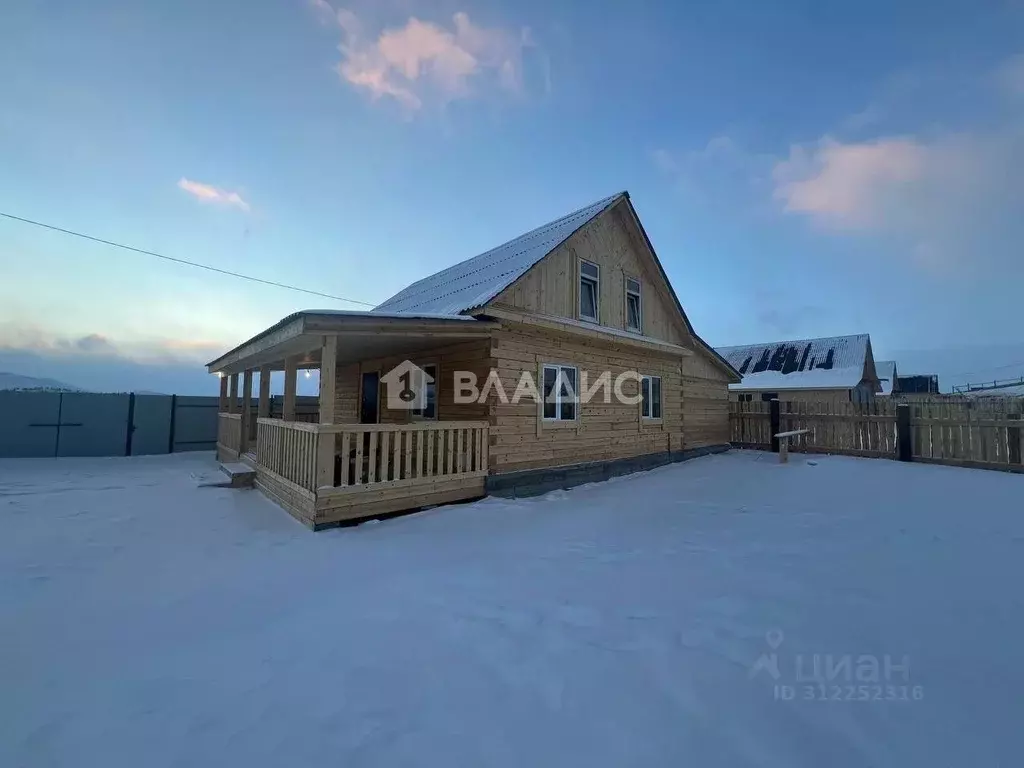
590 291
560 398
650 389
634 307
429 385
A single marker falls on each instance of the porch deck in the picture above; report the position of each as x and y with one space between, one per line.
323 474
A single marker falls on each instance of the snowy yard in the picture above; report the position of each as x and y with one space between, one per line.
148 622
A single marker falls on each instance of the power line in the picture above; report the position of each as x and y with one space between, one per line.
182 261
993 368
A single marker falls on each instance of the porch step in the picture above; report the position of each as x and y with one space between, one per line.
240 475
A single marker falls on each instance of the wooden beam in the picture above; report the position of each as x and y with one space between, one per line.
263 409
328 373
233 394
245 409
286 330
326 443
290 376
222 406
587 330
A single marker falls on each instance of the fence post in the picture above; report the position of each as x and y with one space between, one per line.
1013 438
131 425
174 418
774 410
904 450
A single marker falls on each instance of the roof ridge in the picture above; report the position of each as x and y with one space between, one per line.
797 341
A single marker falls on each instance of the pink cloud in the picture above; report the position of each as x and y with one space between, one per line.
847 185
210 194
422 61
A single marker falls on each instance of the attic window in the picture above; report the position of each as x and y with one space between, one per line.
590 281
634 316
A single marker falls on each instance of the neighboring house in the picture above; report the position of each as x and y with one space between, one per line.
886 370
918 384
582 296
838 370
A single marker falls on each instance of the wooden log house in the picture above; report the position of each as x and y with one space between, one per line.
577 298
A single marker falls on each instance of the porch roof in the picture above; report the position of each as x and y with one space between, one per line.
360 335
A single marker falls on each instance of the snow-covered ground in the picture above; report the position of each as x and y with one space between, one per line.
656 620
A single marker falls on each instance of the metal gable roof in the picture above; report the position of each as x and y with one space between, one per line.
834 362
474 282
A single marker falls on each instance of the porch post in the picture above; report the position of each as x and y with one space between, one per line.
233 394
325 444
290 374
246 410
222 406
263 409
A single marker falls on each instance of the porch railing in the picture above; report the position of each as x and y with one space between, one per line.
353 457
391 455
229 431
289 449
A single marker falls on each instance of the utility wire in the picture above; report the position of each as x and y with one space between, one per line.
993 368
182 261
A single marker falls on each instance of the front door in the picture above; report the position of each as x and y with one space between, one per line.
369 400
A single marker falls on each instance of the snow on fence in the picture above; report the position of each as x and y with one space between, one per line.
961 433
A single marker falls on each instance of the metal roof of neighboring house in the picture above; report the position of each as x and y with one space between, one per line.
886 370
830 363
472 283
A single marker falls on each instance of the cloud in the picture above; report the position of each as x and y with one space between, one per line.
422 61
209 194
849 185
97 363
25 337
944 202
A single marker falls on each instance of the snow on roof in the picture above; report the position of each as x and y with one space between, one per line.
472 283
886 370
375 314
831 363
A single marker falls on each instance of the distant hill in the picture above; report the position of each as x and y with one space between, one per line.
16 381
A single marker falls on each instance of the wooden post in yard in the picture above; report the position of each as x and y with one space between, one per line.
291 372
904 449
774 410
233 394
222 406
325 443
1013 439
263 407
246 410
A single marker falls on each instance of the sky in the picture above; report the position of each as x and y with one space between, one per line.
803 168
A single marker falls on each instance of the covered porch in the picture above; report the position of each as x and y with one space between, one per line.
344 455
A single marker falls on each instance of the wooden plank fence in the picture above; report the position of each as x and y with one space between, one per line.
984 434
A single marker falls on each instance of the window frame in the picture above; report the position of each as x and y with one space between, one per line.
417 414
597 292
639 303
647 403
558 419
